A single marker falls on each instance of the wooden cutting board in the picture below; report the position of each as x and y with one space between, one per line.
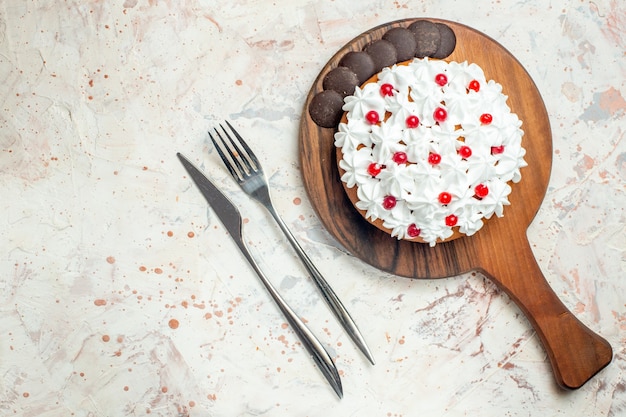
500 250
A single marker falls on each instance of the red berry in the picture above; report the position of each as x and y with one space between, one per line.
434 158
440 114
386 90
474 85
495 150
451 220
389 202
465 152
374 169
372 117
413 230
441 79
445 197
486 118
481 191
412 122
400 157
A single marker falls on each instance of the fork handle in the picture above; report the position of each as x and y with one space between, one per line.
311 343
328 294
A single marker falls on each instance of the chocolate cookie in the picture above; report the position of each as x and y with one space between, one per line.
427 37
342 80
404 42
360 63
447 43
383 54
325 108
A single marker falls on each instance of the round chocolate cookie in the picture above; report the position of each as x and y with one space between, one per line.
383 54
325 108
404 42
447 43
427 37
360 63
342 80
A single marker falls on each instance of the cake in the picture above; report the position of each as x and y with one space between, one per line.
428 149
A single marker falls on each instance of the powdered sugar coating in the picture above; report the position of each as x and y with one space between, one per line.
456 107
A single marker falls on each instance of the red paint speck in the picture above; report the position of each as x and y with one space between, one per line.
100 302
173 323
190 235
170 233
297 201
110 259
106 338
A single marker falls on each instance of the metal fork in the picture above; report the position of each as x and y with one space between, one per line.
245 168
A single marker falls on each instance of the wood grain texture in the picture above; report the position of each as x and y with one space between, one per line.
500 250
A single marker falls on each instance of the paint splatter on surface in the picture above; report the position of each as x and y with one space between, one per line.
121 293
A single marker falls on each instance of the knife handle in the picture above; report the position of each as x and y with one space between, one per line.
325 289
310 341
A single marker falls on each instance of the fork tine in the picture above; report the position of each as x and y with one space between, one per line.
236 174
243 143
238 156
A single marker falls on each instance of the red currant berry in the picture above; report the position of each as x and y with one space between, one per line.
474 85
486 118
413 230
440 114
412 122
374 169
445 197
481 191
451 220
372 117
400 157
434 158
495 150
465 152
441 79
386 90
389 202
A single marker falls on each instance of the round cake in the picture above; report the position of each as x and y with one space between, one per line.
428 149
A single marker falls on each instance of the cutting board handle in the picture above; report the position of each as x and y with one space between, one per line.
576 353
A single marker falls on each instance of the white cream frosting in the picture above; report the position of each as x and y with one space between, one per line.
470 149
